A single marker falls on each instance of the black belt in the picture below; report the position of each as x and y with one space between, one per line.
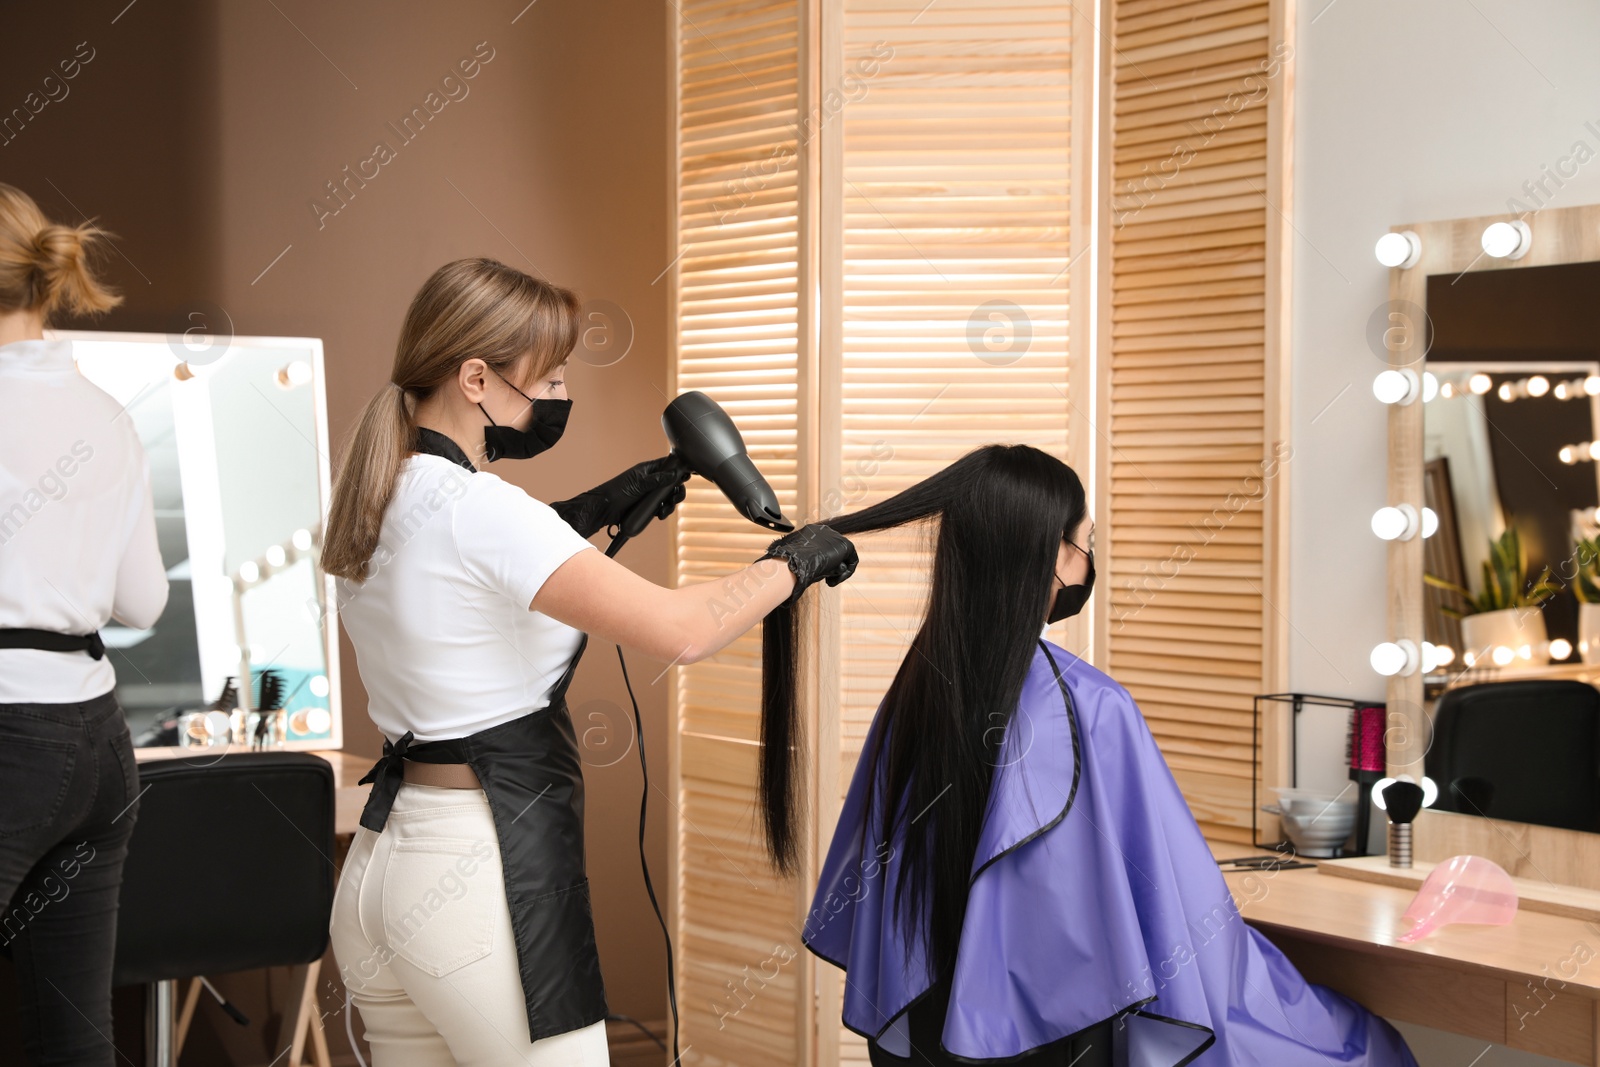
50 641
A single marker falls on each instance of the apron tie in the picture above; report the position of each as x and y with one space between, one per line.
385 777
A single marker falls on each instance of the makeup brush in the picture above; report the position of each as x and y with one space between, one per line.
1402 800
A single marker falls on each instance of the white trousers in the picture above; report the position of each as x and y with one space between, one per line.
423 937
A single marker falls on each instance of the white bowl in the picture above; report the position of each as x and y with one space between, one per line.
1310 803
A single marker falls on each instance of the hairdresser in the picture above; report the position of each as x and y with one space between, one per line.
77 549
461 922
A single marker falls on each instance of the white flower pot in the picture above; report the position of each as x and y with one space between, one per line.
1513 628
1589 632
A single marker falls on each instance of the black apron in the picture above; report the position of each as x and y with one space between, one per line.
532 774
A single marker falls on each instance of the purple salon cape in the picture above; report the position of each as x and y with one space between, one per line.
1093 895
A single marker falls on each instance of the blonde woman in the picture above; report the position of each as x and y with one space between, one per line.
461 922
77 549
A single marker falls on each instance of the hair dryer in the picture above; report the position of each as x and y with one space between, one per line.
704 437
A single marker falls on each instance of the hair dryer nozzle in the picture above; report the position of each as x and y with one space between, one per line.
703 435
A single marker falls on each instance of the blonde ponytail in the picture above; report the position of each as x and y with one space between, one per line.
378 447
44 266
471 308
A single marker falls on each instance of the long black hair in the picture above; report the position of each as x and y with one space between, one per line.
1002 512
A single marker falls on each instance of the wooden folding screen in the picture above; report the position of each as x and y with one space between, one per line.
1192 326
887 250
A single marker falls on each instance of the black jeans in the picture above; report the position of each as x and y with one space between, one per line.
68 798
1090 1047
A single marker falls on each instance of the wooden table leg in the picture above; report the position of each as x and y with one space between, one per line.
304 1010
185 1017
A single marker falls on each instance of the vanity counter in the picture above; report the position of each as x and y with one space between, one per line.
1533 984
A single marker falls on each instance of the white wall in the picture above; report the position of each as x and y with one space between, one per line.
1405 112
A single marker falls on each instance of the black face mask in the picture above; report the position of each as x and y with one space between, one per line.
1071 598
508 442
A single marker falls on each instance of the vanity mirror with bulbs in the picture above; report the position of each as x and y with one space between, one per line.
235 431
1492 340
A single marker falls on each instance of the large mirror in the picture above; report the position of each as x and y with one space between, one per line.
1511 600
235 431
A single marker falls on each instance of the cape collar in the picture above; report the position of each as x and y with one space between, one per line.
435 443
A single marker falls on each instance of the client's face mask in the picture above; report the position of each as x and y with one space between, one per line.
508 442
1071 598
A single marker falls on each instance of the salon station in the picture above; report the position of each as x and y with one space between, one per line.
1307 294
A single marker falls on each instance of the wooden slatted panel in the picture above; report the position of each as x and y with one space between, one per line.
953 193
736 296
1188 297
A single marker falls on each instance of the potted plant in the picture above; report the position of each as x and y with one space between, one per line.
1587 588
1506 614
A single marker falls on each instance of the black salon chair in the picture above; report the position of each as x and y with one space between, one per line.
230 868
1527 751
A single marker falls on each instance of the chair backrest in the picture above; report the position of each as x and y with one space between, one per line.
231 866
1528 751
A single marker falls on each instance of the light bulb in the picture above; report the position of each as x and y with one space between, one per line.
318 720
1538 385
1525 651
1560 391
1399 249
1396 386
1591 385
1430 386
319 685
1430 791
248 571
1560 648
1507 240
292 374
1505 392
276 555
1430 657
1502 655
1593 448
1565 455
1397 522
1430 522
1469 658
301 540
1480 383
1395 657
1447 389
1444 654
1377 791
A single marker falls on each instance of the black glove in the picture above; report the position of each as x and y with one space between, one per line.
814 552
609 502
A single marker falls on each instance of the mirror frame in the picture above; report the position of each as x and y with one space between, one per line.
1453 246
330 620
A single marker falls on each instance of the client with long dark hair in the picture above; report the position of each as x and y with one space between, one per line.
1038 890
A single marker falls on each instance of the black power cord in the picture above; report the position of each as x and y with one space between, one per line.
644 865
643 512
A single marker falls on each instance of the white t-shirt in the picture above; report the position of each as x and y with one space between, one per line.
443 636
77 524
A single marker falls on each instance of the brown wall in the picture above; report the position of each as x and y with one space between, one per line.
202 133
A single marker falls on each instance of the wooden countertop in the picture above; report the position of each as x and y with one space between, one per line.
1533 984
1366 917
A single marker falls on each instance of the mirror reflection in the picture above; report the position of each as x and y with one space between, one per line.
233 432
1512 581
